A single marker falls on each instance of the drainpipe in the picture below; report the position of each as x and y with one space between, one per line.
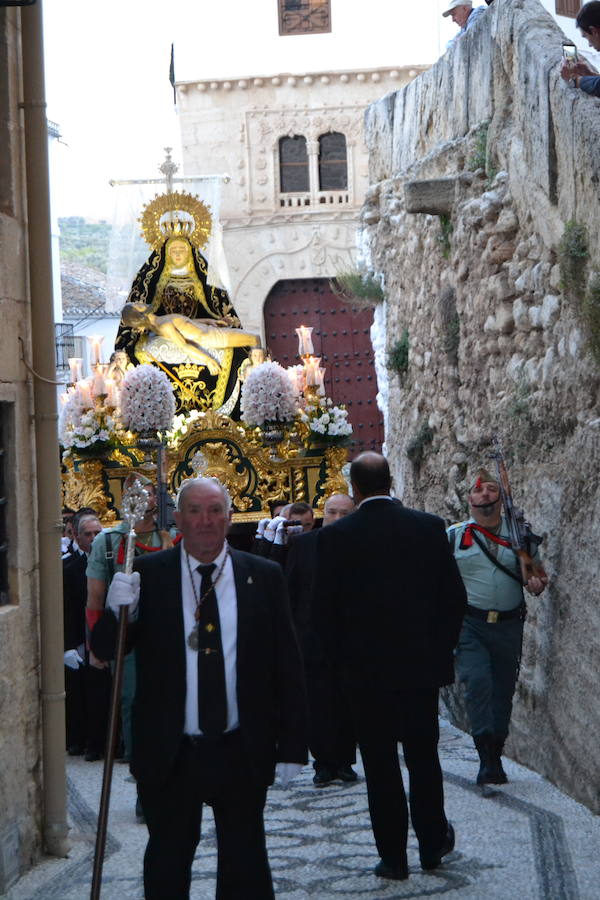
55 827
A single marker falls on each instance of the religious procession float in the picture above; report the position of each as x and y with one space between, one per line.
188 391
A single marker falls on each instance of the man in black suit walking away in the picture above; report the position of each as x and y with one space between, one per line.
389 607
219 701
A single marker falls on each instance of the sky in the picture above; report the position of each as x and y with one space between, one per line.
107 69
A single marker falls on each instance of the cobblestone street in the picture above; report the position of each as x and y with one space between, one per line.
525 841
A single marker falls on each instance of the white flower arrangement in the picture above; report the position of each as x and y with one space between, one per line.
85 429
268 396
181 425
147 400
327 422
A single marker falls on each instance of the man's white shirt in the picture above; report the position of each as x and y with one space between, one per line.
227 605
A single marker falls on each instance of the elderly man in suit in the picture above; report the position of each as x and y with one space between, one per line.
389 606
220 696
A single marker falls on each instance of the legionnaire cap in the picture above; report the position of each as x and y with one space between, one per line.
479 476
456 3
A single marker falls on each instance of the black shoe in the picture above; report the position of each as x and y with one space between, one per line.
323 776
75 750
394 872
498 747
346 773
140 818
93 755
490 767
433 860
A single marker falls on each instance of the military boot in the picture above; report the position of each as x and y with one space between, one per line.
498 747
490 770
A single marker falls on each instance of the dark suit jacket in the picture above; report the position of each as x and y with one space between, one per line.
75 598
390 599
270 686
300 573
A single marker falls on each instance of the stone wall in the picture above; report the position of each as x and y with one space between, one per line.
493 154
20 729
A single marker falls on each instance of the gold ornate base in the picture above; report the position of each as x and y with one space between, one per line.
219 447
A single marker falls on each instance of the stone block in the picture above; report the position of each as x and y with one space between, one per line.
434 196
505 322
507 222
535 313
500 287
550 310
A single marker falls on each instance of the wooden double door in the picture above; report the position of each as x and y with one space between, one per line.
341 337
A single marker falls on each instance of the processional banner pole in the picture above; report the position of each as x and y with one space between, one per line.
134 505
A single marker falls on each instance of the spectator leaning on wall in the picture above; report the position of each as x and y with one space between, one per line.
584 76
463 15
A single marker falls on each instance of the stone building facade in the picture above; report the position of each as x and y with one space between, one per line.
482 221
239 126
20 722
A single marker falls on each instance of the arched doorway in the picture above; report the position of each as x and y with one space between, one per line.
341 337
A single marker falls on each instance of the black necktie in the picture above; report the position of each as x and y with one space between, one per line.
212 696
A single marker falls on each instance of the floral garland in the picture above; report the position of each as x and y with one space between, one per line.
327 422
181 425
268 396
84 429
147 400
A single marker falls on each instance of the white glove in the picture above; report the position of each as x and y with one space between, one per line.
260 528
287 771
271 528
281 534
72 659
124 590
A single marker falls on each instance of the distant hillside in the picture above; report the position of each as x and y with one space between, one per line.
84 242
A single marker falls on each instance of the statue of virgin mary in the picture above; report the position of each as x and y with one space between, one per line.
174 281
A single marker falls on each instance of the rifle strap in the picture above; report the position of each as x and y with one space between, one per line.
483 547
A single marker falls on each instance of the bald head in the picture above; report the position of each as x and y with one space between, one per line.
370 476
336 507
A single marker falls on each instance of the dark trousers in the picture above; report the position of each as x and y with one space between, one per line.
331 737
217 773
487 661
86 707
383 719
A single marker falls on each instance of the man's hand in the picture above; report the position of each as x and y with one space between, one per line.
72 659
271 528
536 584
124 590
570 70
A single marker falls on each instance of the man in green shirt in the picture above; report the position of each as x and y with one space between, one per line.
489 648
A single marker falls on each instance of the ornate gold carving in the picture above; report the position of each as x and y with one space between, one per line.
335 483
221 465
196 225
85 487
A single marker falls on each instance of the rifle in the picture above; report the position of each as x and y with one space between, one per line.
523 541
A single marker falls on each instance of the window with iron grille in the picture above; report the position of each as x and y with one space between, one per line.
293 165
64 342
568 8
333 164
304 16
4 598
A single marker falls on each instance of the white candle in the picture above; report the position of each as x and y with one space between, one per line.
95 341
305 344
98 384
320 381
311 366
75 367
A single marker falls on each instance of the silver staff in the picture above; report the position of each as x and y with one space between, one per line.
134 505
